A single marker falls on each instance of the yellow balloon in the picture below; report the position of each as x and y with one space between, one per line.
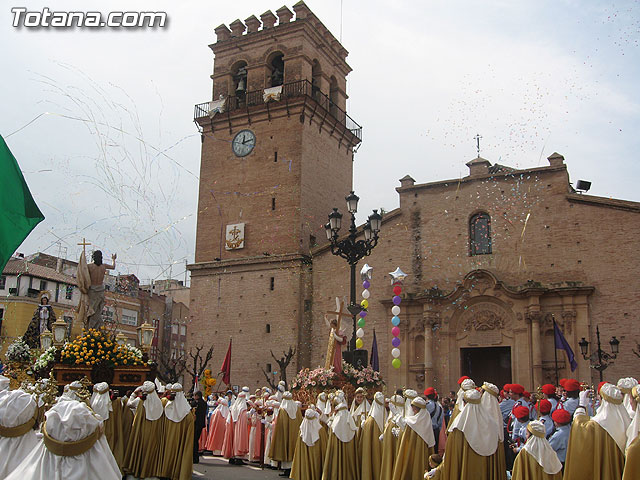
359 343
364 303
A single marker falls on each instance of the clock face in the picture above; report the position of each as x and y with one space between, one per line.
243 143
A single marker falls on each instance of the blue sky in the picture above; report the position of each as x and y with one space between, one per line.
113 155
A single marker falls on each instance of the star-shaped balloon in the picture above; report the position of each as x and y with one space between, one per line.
366 273
397 276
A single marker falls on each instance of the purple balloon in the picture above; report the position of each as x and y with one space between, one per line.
396 300
363 313
395 342
366 284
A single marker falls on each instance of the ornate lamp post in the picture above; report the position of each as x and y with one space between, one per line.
600 360
46 340
145 336
353 250
121 339
59 332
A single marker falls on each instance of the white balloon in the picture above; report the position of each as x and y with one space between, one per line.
395 352
366 294
360 333
395 310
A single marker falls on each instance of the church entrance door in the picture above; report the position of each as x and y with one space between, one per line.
487 364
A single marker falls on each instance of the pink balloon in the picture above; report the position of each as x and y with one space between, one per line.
395 331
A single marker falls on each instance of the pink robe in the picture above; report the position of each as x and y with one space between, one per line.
241 435
227 445
217 428
202 444
337 352
256 431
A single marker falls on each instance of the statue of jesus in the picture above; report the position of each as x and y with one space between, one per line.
97 271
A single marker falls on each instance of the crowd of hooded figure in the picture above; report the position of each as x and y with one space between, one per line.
564 431
107 437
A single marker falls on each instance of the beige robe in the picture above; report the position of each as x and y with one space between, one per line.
308 461
146 443
413 457
592 453
284 437
462 462
527 468
370 449
341 460
177 454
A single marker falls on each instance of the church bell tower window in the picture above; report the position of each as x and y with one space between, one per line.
277 70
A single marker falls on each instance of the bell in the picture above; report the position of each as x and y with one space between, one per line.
240 89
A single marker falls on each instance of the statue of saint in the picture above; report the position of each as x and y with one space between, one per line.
97 270
42 320
337 337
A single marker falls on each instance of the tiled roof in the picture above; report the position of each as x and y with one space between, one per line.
21 267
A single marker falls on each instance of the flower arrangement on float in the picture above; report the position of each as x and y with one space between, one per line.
95 346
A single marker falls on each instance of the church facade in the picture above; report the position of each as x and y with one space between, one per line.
493 258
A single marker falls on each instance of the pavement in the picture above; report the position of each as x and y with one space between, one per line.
217 468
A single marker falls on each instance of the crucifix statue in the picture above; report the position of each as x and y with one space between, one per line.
90 282
337 336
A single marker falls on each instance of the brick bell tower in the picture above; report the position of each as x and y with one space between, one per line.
277 153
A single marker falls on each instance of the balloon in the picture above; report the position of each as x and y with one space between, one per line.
395 342
397 290
395 309
395 321
359 343
395 331
364 303
363 313
366 284
361 322
396 300
395 352
360 333
396 363
366 294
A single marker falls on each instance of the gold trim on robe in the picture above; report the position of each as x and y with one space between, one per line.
526 467
592 453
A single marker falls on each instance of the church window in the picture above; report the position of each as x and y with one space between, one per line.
480 234
272 283
268 328
239 75
269 367
273 203
275 156
276 66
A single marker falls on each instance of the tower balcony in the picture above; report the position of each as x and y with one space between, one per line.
322 104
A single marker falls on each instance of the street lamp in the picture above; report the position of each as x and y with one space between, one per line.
353 250
600 360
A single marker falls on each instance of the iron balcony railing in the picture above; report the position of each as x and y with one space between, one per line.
289 90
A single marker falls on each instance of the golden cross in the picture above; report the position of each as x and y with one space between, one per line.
84 244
